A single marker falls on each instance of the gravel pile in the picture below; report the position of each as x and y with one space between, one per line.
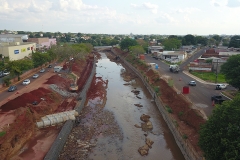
61 91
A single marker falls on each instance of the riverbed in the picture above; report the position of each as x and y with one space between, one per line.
109 123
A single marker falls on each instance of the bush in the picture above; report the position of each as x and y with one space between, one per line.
169 109
7 81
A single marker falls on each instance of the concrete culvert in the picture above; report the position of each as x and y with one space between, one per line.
57 118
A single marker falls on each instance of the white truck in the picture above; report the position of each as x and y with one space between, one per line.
174 68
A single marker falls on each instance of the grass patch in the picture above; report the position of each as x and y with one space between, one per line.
185 136
209 76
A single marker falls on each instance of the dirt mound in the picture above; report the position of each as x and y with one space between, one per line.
60 81
17 134
84 75
27 98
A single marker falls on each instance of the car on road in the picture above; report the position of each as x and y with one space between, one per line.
221 86
192 83
42 70
12 88
217 99
35 76
49 66
26 82
6 72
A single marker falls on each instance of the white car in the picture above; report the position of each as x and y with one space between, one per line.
5 72
35 76
26 82
42 70
221 86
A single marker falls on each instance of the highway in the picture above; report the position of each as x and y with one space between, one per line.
200 95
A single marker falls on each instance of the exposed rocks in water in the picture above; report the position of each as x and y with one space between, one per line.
126 84
147 126
149 142
145 118
138 97
144 150
137 126
138 105
136 92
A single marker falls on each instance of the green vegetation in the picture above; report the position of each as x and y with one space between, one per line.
169 109
209 76
172 44
219 136
231 70
185 136
6 80
2 133
127 42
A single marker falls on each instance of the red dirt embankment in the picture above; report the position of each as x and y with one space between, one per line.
24 114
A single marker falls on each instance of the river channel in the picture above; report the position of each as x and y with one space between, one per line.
120 101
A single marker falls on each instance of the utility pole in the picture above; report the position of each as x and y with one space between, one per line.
216 72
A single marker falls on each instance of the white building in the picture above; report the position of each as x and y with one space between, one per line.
15 47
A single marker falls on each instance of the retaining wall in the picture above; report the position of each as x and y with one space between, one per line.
62 137
186 148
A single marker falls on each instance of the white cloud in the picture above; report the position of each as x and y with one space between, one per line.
233 3
149 6
166 18
187 10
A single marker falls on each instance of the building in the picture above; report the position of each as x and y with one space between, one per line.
15 47
17 50
13 38
152 49
43 43
180 55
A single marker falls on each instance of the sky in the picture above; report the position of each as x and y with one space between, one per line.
164 17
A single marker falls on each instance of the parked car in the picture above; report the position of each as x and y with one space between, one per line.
49 66
34 102
192 83
26 82
42 70
35 76
12 88
221 86
6 72
217 99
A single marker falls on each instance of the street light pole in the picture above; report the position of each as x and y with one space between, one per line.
216 72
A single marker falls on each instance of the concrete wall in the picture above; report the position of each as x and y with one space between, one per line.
62 137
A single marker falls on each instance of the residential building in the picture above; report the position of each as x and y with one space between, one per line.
43 43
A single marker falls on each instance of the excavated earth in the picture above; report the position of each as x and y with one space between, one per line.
18 116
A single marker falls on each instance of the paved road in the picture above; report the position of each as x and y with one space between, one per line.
200 95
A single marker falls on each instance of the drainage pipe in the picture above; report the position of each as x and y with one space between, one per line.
57 118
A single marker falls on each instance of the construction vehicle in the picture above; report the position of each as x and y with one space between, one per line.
73 87
174 68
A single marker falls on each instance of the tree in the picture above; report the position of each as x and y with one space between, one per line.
234 42
171 44
189 40
18 66
40 58
202 40
231 71
127 42
219 136
137 49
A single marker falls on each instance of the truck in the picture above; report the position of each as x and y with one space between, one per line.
157 55
217 99
174 68
73 87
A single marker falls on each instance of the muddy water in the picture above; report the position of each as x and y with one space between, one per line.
120 102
